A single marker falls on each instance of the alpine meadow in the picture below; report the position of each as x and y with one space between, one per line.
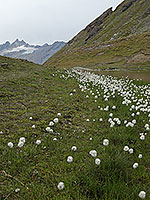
78 126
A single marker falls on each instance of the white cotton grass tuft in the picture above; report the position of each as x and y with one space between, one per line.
30 118
10 144
59 114
142 194
17 190
69 159
33 126
114 107
20 144
48 129
100 119
22 139
60 186
142 137
111 114
38 142
93 153
97 161
131 151
51 123
105 142
135 165
56 120
140 156
126 148
74 148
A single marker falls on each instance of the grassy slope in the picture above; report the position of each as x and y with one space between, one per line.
31 90
134 21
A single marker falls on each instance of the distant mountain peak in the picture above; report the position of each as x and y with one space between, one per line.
45 45
35 53
7 42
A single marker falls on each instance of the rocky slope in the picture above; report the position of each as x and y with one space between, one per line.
116 38
34 53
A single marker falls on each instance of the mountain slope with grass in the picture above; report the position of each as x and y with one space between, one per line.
119 38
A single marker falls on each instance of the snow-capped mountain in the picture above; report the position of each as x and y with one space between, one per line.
34 53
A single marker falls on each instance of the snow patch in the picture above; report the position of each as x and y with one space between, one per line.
27 50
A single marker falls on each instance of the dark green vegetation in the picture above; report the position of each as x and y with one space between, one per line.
116 39
28 90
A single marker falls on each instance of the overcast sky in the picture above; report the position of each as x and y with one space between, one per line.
41 21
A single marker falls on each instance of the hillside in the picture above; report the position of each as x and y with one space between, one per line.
119 38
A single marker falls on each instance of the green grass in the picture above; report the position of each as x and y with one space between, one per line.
32 90
117 53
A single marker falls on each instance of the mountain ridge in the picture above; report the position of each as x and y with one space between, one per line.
34 53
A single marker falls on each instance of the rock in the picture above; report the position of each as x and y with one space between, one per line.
94 27
126 6
3 64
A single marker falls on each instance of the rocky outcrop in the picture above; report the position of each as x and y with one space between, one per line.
127 5
95 26
3 64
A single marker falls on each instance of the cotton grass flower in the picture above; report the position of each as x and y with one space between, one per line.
51 123
20 144
135 165
100 119
142 194
60 186
142 137
69 159
56 120
131 151
97 161
74 148
17 190
10 144
140 156
114 107
48 129
22 139
126 148
38 142
111 114
93 153
33 126
105 142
